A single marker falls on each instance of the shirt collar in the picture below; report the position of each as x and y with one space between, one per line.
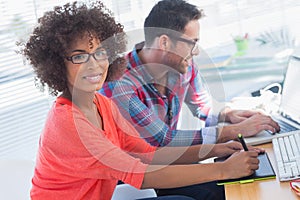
134 63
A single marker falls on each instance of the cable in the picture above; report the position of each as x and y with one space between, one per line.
268 87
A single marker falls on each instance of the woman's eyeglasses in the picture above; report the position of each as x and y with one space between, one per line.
98 55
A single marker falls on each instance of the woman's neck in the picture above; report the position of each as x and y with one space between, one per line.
83 100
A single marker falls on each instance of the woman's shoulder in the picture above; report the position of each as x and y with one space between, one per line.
63 109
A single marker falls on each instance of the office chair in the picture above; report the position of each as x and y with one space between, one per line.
128 192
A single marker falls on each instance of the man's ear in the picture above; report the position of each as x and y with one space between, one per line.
164 42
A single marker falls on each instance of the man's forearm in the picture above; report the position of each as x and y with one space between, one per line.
223 115
227 133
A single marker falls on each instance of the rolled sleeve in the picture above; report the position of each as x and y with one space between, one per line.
210 135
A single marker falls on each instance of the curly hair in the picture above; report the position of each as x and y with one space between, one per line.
57 29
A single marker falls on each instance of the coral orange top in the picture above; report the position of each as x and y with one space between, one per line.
77 160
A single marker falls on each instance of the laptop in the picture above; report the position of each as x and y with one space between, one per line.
288 115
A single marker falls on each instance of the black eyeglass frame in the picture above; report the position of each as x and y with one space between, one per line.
192 42
71 58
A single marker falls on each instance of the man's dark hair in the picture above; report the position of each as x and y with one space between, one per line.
169 16
56 30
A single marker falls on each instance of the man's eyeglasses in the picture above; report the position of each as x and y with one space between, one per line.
98 55
193 43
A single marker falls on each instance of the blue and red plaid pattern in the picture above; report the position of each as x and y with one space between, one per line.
156 116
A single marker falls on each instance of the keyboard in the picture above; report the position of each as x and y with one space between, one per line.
287 155
285 127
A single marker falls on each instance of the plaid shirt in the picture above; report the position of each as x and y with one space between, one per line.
155 116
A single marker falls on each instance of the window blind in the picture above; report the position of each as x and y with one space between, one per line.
23 107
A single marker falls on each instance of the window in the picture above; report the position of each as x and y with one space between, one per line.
23 107
228 18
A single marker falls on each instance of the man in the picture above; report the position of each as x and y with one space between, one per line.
161 76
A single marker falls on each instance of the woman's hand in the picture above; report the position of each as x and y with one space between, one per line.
241 164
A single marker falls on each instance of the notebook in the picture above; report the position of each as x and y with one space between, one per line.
265 171
288 115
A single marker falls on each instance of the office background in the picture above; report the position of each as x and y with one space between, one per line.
271 27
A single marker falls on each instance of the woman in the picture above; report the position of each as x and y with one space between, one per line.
86 145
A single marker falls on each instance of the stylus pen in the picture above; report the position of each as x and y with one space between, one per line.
242 141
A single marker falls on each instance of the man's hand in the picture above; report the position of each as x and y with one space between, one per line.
226 149
237 116
248 127
258 150
256 124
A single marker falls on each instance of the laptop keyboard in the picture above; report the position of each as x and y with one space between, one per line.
285 127
287 154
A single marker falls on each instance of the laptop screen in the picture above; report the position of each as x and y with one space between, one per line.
290 99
